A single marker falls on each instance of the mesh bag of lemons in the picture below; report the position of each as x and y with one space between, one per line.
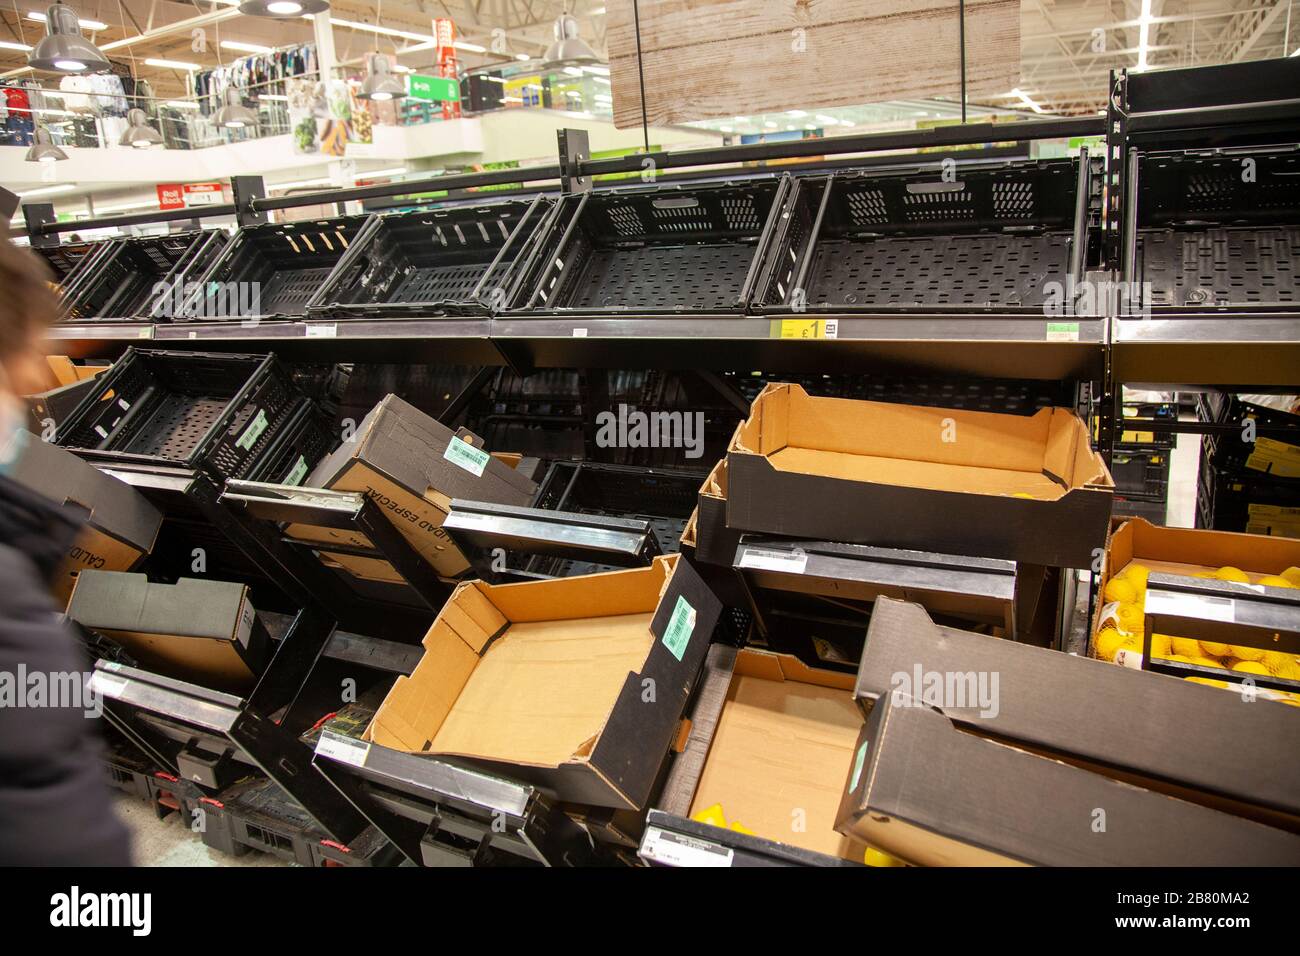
1123 619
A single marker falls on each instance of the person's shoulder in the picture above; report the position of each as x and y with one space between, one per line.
23 594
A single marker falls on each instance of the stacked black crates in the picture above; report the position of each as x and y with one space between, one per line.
1250 472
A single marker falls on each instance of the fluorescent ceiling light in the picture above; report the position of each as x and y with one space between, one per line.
171 64
182 104
122 207
596 70
494 79
795 113
1024 98
377 173
828 120
725 129
597 11
10 45
243 47
1144 35
469 47
91 25
47 190
523 56
326 181
769 124
573 71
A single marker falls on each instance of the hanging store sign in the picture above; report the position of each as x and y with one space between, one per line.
186 195
437 88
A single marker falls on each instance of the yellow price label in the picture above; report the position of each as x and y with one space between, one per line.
804 328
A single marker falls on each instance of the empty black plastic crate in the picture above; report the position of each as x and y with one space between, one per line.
979 238
66 258
448 261
1273 453
272 270
138 278
1216 231
203 410
666 250
1141 474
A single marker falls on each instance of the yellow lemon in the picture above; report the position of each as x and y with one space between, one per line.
712 816
1281 665
1186 647
1292 574
1132 618
1244 653
1162 645
1106 643
1275 581
1120 590
1250 667
1215 649
874 857
1232 574
1204 661
741 828
1137 575
1207 681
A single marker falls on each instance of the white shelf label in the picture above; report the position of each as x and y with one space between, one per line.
343 749
764 559
322 330
673 849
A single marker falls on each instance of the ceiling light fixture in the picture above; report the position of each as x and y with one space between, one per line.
381 82
47 190
9 45
139 133
241 47
63 49
94 26
1144 36
569 49
44 151
1025 99
279 9
171 64
234 114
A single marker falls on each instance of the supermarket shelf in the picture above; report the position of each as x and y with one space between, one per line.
1227 349
1006 346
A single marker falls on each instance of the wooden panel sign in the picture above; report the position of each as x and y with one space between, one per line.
706 59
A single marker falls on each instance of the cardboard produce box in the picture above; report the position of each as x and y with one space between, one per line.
196 630
120 525
1184 739
412 466
1136 548
932 789
576 684
770 745
1024 488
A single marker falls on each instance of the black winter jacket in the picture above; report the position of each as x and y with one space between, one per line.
54 797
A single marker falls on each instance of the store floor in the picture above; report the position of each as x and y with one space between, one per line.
169 842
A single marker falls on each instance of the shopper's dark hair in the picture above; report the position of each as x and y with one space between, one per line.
28 303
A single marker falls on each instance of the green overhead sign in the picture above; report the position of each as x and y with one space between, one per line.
438 88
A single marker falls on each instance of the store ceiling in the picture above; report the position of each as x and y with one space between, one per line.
1068 47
